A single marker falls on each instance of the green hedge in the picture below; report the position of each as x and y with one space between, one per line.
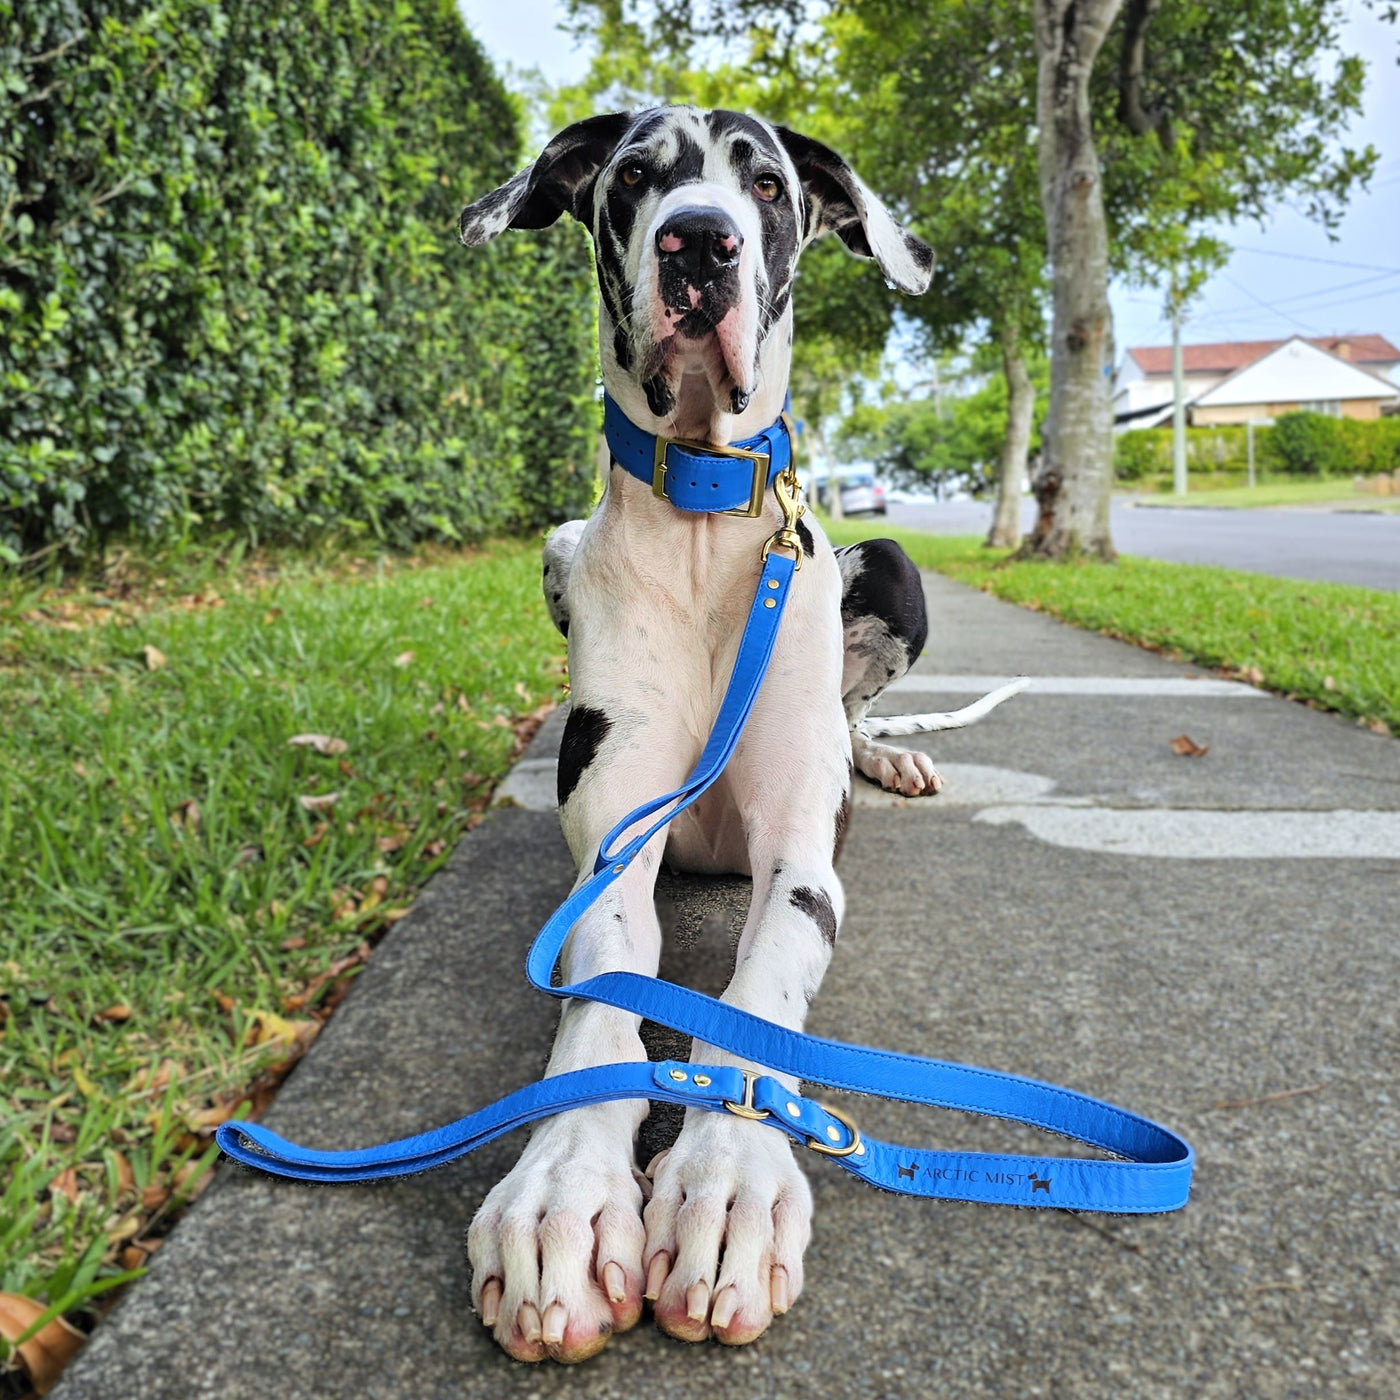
231 292
1304 444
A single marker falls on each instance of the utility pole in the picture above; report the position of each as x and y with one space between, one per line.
1178 401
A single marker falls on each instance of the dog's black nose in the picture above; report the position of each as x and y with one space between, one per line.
701 243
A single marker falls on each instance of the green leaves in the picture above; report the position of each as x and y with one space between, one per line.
233 297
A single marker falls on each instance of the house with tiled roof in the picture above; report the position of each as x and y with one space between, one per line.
1347 376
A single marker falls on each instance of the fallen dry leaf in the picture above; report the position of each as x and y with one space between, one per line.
290 945
322 743
154 1196
404 658
1186 747
155 657
206 1119
187 815
120 1012
49 1350
65 1184
80 770
126 1179
1253 675
319 802
271 1026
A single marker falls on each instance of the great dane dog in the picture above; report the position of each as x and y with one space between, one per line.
697 219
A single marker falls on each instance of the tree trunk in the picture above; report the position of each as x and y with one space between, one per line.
1075 478
1020 401
833 487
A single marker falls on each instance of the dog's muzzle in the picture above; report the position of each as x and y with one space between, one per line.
698 250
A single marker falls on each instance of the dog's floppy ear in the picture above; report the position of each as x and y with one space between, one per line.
557 183
839 201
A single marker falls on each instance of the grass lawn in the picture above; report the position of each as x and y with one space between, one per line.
1330 643
1280 493
186 893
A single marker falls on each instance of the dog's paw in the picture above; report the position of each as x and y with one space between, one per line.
906 771
556 1248
727 1225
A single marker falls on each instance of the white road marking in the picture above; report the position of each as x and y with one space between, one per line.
1203 834
1137 688
969 785
1007 796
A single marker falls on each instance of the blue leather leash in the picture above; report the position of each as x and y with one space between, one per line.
1152 1170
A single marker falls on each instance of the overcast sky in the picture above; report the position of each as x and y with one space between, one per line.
1285 279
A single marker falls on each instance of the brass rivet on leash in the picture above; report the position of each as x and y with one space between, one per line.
702 1080
793 1109
678 1075
772 583
618 869
770 603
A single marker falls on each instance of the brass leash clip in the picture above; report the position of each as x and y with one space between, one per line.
789 494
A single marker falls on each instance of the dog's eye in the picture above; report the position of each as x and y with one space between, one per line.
767 188
632 175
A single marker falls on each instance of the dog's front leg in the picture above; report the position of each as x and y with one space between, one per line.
556 1248
730 1213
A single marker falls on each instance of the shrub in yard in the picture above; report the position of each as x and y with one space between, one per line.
1311 444
231 292
1146 452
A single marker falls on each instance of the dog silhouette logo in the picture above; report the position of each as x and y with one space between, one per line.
908 1171
1040 1183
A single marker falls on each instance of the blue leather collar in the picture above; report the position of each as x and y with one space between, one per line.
696 476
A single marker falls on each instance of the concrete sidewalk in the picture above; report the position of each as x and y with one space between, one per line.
1080 905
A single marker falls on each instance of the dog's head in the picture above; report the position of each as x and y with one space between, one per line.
697 220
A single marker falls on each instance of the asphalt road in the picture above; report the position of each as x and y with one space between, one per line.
1246 993
1338 546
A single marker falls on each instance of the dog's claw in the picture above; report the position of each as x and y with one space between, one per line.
656 1275
552 1328
697 1301
528 1323
778 1290
490 1302
725 1305
614 1282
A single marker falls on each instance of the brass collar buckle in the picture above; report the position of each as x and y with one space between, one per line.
760 462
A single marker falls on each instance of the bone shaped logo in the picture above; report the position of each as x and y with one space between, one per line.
1040 1183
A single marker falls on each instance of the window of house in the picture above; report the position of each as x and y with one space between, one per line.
1331 407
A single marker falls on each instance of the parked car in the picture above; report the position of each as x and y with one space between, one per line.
861 494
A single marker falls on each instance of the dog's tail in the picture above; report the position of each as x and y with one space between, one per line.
891 726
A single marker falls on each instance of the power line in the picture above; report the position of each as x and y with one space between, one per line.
1303 257
1302 325
1324 295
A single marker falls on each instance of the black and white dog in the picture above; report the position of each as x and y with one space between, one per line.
697 220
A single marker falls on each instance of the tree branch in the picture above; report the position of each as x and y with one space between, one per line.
1140 118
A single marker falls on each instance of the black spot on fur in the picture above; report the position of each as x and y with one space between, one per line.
816 906
805 535
660 399
584 732
887 586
